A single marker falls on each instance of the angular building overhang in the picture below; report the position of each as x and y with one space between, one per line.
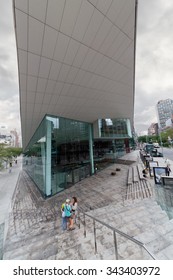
76 59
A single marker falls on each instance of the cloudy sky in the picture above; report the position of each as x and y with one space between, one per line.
9 92
154 59
154 63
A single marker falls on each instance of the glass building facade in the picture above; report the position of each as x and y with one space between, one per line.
63 152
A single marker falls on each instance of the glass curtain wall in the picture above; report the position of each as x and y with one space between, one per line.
70 153
111 141
62 151
117 128
34 160
58 155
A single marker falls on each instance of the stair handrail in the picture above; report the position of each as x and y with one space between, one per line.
115 230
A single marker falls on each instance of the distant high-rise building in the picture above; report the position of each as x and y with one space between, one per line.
153 129
164 111
15 138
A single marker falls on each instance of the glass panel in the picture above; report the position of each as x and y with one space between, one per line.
70 151
76 175
34 160
70 161
117 128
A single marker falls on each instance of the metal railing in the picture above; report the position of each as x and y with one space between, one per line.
114 230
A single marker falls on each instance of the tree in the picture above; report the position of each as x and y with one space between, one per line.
166 135
148 138
142 138
7 153
3 155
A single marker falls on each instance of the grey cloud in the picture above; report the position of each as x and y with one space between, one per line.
6 18
149 13
9 113
6 74
8 84
3 56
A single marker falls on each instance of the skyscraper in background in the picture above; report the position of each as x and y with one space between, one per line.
164 111
153 129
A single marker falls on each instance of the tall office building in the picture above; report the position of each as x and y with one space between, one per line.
76 62
164 111
153 129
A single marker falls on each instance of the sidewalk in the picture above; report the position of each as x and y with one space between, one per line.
8 183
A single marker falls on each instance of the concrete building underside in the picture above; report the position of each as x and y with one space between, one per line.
76 62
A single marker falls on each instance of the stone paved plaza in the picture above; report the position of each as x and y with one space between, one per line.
34 224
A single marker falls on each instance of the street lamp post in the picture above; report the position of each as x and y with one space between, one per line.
161 143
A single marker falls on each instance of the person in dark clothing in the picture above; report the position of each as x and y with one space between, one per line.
168 170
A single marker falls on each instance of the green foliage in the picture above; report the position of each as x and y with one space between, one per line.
7 153
148 139
14 151
164 136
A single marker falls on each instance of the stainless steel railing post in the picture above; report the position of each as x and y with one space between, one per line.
115 245
95 239
79 219
84 225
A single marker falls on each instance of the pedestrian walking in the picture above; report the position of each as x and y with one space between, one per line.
68 214
74 208
167 162
10 167
64 219
168 170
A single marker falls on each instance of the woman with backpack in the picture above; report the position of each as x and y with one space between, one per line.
68 214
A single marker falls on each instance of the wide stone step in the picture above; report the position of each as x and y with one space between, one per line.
105 250
166 253
164 240
142 219
77 247
158 238
135 227
32 234
139 216
32 251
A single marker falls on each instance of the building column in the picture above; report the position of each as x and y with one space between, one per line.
48 157
91 149
129 131
43 156
114 149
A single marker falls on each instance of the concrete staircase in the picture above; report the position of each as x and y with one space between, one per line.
34 230
137 186
144 220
